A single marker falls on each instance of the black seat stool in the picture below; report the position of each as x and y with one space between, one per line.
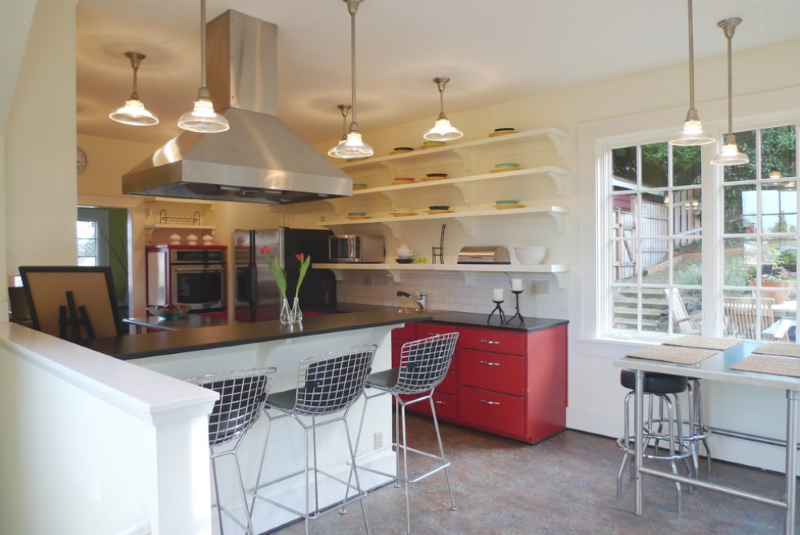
664 388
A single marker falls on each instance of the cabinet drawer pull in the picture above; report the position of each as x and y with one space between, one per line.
490 402
490 342
437 402
488 363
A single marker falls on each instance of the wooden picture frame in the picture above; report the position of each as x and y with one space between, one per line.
94 311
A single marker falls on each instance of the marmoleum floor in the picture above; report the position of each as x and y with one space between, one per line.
565 485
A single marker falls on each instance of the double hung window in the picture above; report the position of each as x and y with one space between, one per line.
696 249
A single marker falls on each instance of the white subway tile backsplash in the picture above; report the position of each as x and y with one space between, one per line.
449 291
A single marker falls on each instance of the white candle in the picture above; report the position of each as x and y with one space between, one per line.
516 285
498 294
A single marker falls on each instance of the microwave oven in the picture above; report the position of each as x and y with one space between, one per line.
356 248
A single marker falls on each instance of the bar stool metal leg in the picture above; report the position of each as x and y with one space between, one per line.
423 366
327 386
666 427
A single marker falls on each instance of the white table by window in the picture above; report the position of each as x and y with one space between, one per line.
718 368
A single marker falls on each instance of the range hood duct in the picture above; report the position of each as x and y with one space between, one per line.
259 159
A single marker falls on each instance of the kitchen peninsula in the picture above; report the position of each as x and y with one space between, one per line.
198 351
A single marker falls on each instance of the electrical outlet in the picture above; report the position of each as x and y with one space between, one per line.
540 287
367 280
378 440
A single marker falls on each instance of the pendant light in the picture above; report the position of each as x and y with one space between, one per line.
203 118
353 146
345 109
442 130
730 154
134 113
692 133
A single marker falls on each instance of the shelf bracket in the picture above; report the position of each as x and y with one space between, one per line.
559 140
559 179
468 224
469 277
392 166
561 278
466 156
560 219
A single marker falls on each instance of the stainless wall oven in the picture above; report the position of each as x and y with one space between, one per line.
187 275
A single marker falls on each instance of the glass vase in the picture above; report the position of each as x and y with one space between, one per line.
286 312
297 314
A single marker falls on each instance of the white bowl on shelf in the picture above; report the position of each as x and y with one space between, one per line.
531 254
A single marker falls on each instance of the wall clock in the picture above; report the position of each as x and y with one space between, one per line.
82 160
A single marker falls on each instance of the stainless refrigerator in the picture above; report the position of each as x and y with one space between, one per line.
257 294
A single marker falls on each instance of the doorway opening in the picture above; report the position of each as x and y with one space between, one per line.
104 240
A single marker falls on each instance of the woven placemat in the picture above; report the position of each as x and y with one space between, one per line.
704 342
676 355
780 349
769 364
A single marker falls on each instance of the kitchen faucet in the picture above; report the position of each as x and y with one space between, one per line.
420 302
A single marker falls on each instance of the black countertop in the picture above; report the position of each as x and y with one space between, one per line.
134 346
349 316
479 320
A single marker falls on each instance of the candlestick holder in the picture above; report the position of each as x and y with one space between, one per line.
517 314
497 308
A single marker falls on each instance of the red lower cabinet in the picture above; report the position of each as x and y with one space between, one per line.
492 411
510 383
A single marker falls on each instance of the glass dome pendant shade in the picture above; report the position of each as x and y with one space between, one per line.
730 154
203 118
442 130
134 113
345 109
692 134
352 146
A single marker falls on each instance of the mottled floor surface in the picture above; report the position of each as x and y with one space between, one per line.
565 485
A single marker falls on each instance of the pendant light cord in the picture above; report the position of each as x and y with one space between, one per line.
730 85
202 43
353 8
691 57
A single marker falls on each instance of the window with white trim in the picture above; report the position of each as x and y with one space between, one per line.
656 237
759 236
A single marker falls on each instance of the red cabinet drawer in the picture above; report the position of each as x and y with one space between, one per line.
445 406
427 329
492 411
491 371
493 340
407 332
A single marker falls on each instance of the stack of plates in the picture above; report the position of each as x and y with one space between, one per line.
501 167
402 212
502 132
359 186
431 144
434 176
403 180
505 204
438 210
401 150
357 215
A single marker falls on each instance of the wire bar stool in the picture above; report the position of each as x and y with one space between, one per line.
242 394
423 366
327 386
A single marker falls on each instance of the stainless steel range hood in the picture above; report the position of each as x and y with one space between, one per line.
259 159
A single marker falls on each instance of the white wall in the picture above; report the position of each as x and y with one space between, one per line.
96 446
40 144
